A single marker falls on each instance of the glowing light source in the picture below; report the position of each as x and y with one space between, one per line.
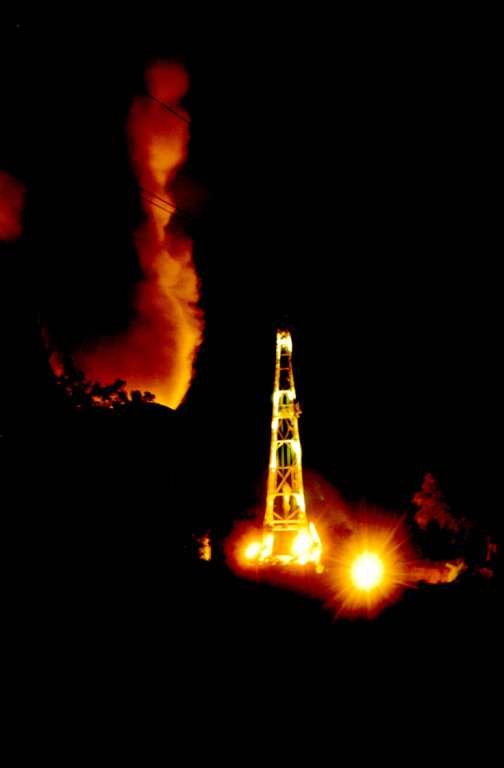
302 542
252 551
371 567
267 546
205 551
367 571
284 340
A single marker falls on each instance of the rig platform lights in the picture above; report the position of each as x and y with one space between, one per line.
288 536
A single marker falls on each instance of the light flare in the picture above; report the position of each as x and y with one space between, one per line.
367 571
371 568
250 548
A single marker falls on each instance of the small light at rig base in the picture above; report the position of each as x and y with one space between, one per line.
205 550
252 550
300 548
302 543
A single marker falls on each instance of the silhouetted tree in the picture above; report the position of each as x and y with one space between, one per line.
431 506
109 395
444 534
137 397
84 394
74 383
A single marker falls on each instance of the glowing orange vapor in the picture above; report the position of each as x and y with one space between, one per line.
157 352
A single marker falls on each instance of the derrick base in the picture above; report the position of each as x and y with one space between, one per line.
290 544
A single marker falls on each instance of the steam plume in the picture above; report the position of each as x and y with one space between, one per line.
12 198
436 573
158 350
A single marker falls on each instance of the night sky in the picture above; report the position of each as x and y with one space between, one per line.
342 183
342 187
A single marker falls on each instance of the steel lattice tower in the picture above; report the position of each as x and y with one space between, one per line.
287 534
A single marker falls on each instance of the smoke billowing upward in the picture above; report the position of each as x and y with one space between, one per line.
157 351
12 199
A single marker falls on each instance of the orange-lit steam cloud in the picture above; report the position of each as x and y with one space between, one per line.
158 350
12 198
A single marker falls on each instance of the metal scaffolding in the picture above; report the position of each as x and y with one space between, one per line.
287 534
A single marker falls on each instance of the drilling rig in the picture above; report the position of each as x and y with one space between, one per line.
288 536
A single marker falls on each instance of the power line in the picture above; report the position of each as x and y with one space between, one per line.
172 213
168 108
166 202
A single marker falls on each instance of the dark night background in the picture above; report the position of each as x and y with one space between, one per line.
342 182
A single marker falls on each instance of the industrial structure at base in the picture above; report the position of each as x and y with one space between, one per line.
288 536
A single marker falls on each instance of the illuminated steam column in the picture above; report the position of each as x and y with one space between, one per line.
288 537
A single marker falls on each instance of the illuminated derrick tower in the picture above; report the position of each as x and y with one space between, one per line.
288 537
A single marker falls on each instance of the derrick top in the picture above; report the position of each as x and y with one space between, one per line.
284 390
284 340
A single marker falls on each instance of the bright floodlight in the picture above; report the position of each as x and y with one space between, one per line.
367 571
252 550
302 543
